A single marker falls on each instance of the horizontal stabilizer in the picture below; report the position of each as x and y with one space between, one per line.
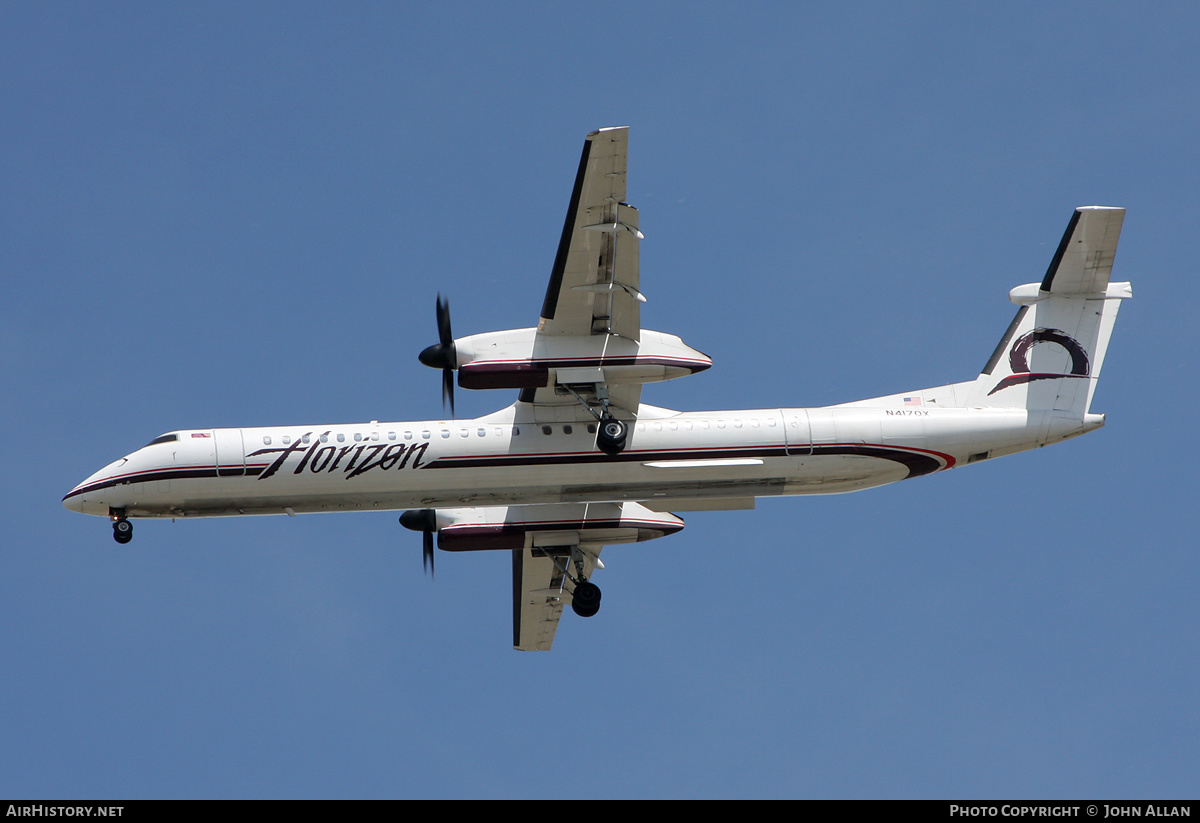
1084 260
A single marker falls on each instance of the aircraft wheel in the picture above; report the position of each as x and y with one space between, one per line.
611 437
586 600
122 531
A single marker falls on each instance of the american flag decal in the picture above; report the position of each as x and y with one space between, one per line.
201 434
912 401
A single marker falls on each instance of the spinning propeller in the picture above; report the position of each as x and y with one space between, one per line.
442 355
422 520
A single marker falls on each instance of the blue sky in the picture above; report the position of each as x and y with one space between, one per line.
240 214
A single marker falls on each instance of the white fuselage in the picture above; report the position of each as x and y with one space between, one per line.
673 460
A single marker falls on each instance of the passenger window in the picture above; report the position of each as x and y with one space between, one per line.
546 430
391 435
266 439
445 433
374 437
341 437
325 438
720 424
591 428
567 430
287 439
482 432
306 439
408 435
516 430
464 432
673 426
426 434
357 437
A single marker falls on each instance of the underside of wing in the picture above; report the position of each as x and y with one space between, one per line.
541 590
556 547
594 285
594 288
589 355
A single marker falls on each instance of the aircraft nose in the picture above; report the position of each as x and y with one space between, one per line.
84 498
72 501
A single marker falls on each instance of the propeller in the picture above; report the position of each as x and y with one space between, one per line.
442 355
422 520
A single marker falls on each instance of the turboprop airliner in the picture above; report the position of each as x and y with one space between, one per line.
578 462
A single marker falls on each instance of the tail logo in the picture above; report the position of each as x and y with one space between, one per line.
1018 358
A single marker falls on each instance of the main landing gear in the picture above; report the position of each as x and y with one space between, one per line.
122 528
611 434
610 439
585 600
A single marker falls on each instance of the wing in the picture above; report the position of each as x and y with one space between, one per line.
540 591
554 537
1084 260
547 541
594 285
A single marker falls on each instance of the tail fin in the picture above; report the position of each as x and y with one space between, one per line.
1074 307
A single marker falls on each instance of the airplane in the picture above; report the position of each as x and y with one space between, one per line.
578 462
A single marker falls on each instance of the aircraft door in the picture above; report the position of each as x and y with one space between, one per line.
796 430
231 456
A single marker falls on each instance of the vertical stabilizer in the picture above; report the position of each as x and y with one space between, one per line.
1051 355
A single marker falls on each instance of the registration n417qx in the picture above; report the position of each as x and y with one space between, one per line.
578 462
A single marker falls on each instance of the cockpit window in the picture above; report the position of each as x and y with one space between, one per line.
166 438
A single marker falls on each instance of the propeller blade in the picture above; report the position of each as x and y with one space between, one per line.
448 389
424 521
443 320
427 553
443 355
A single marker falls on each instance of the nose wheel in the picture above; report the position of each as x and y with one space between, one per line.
122 528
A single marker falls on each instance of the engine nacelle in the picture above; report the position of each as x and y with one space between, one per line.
524 359
559 524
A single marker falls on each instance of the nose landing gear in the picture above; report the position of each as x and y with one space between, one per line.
122 528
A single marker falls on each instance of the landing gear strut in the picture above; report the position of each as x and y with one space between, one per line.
585 601
122 528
